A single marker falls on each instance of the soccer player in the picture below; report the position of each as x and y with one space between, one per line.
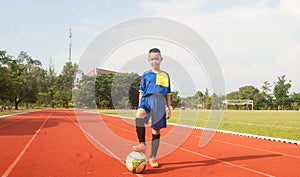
154 96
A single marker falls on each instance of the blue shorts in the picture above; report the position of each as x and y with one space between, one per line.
155 107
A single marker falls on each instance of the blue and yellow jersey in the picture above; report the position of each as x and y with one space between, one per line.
155 83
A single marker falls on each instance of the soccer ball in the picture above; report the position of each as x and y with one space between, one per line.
136 162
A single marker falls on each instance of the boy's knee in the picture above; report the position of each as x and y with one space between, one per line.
140 113
155 132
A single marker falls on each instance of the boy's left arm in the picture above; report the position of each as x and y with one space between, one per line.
168 106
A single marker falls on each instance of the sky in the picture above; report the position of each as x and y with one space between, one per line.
253 40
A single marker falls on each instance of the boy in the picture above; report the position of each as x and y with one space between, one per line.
155 94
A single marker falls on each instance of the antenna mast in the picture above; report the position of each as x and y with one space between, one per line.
70 44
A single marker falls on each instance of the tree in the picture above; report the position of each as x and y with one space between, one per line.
295 101
18 71
33 78
216 101
64 85
267 100
48 91
84 95
175 99
207 100
103 90
21 78
190 102
134 91
247 93
200 97
266 87
4 58
281 92
125 87
251 93
234 95
5 78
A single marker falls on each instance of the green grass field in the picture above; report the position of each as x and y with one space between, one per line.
279 124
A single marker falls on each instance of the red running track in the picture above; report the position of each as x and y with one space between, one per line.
55 143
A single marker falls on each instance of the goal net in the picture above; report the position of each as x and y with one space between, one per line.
238 103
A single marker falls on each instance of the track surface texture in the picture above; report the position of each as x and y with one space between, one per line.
55 143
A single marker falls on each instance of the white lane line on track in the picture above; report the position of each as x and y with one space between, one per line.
100 144
234 144
254 148
287 141
232 133
248 147
205 156
15 162
221 161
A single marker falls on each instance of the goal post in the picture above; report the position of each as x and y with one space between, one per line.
238 103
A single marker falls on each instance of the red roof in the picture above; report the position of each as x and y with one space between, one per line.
98 72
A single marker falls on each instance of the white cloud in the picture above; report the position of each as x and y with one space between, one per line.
253 43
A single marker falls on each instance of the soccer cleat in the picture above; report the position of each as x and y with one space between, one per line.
140 148
153 163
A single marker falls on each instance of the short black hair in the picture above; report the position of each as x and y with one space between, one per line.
154 50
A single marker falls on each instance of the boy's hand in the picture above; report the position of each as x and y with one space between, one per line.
168 113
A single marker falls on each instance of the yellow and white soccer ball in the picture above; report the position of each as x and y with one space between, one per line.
136 162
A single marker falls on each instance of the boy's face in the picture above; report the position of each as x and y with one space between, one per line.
155 60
